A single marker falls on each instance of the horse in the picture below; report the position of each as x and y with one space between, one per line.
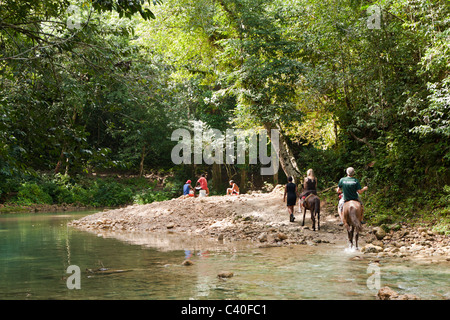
312 203
352 215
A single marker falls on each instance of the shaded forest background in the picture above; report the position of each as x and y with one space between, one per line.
91 91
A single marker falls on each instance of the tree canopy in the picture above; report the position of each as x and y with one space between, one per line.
96 85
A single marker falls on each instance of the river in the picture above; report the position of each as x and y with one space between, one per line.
37 249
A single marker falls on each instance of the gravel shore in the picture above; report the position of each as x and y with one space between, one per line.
262 219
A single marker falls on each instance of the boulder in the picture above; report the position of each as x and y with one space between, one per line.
370 248
387 293
225 274
281 236
379 233
378 243
262 237
187 263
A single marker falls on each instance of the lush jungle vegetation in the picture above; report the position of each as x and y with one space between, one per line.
91 91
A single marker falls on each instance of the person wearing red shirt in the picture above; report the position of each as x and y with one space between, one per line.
203 184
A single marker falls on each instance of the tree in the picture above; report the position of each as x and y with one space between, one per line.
265 66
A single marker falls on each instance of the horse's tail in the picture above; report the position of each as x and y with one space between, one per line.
317 205
353 217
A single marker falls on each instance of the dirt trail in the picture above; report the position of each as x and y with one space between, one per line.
259 217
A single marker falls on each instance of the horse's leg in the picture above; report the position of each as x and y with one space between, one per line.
318 220
356 239
304 214
350 236
353 231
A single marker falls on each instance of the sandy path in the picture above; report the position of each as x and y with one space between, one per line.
258 217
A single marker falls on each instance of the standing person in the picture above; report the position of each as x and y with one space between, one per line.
187 188
202 184
291 192
351 189
234 188
309 186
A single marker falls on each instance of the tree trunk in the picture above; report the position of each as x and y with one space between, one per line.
216 176
243 184
61 158
141 164
66 172
287 159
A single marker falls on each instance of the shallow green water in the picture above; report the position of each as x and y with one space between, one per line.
37 249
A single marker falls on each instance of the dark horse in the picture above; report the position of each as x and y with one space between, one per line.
312 203
352 220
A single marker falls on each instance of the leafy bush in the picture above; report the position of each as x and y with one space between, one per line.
82 195
149 195
110 193
30 193
87 191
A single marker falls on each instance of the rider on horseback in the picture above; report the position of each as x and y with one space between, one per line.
351 189
309 186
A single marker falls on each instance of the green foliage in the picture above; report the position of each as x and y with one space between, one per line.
106 96
149 195
110 194
90 192
31 193
126 8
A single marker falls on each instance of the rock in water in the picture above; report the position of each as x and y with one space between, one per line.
387 293
225 274
187 263
370 248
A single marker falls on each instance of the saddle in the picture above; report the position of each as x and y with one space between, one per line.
311 194
304 202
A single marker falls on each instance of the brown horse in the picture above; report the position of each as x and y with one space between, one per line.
312 203
352 215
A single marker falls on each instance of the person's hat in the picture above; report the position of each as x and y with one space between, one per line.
189 181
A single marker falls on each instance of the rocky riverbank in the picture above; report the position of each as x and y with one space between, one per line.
403 241
262 219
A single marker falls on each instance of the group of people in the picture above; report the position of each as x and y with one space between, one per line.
291 192
349 188
202 189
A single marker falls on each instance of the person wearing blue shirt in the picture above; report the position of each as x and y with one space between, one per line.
187 188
